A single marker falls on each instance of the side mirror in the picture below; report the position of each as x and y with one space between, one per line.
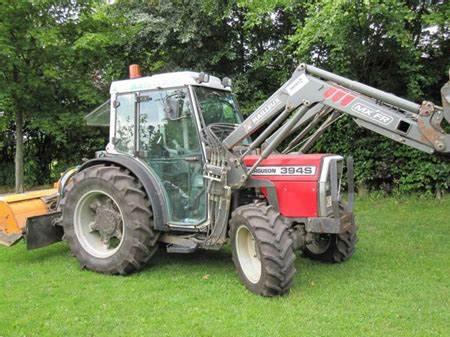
173 106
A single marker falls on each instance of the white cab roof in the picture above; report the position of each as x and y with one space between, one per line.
167 80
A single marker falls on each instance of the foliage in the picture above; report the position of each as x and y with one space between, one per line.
42 76
68 52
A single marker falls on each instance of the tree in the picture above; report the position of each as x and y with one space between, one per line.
39 73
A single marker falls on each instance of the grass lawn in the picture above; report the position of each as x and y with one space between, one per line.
397 284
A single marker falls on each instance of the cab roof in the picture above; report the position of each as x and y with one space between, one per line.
166 80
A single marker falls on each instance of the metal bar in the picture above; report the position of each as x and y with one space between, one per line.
287 127
293 143
319 110
350 184
268 130
286 95
310 114
413 139
445 94
310 142
258 118
334 189
137 107
365 89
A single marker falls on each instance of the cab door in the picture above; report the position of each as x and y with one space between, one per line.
168 141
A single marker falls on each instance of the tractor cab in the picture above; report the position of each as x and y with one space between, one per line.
158 120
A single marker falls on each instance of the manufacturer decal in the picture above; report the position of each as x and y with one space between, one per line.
297 84
339 95
259 115
285 171
371 113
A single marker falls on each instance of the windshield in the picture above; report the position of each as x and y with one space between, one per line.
217 106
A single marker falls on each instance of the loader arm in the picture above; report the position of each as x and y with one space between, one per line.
312 99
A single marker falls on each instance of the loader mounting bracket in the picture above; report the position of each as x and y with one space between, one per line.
331 225
42 231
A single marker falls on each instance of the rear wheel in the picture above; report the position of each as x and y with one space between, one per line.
262 250
107 220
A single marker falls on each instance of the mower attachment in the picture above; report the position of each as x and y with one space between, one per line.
9 239
42 231
16 208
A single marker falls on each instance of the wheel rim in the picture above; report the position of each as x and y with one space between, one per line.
98 224
319 244
248 254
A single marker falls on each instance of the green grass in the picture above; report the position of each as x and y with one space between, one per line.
397 284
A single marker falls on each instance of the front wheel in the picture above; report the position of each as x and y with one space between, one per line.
332 248
108 221
262 250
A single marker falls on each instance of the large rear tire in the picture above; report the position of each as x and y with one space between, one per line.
262 250
107 220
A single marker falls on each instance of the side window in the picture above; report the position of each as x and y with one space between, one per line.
124 136
163 132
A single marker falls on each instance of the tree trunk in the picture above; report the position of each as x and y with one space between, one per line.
19 152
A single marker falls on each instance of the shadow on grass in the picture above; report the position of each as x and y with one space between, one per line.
207 258
221 262
48 254
216 262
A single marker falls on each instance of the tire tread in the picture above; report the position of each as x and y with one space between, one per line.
137 209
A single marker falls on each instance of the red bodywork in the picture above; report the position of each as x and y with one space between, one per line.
297 191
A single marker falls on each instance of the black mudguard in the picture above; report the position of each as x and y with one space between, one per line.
42 231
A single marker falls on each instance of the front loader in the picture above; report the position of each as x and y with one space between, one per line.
185 171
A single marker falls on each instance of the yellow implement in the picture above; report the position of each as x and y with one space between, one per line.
16 208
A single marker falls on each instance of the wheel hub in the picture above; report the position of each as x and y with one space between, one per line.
107 221
318 243
98 224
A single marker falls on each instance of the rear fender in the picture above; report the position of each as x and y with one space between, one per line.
147 177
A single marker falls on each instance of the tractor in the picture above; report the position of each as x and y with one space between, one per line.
184 171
